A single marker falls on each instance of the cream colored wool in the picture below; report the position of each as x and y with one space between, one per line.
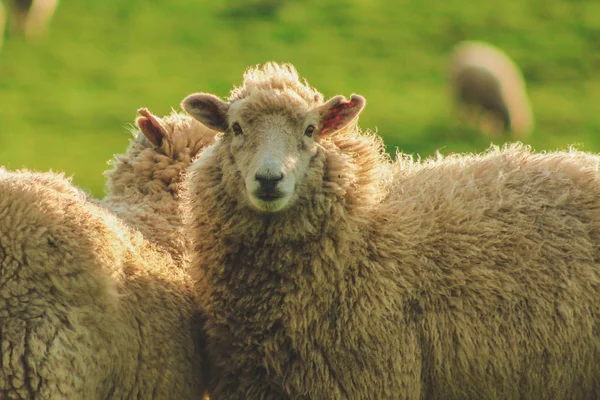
88 308
94 306
30 18
467 277
143 186
2 23
484 78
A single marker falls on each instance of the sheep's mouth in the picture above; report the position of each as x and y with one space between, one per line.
270 196
269 200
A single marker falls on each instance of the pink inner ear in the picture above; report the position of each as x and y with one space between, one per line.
149 128
152 119
337 115
143 123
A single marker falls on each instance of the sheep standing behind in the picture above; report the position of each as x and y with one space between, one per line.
326 271
143 186
2 23
29 17
93 306
488 89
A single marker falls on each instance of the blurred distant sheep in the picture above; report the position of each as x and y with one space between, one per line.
489 90
26 17
2 22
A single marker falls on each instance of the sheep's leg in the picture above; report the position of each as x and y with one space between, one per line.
17 15
491 125
39 16
467 114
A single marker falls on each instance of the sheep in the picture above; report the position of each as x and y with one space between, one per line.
488 88
2 23
325 270
29 17
143 186
92 304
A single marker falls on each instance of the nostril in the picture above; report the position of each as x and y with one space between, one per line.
268 189
268 178
277 178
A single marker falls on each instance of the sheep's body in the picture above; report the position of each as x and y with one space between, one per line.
482 77
473 277
88 308
93 306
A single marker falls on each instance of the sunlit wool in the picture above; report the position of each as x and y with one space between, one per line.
468 277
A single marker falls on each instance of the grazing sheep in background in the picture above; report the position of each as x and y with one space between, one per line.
2 23
326 271
30 17
143 186
489 90
93 306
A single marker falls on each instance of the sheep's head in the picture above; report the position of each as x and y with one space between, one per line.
175 136
272 135
160 152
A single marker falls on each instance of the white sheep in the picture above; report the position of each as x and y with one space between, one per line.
94 306
143 186
27 17
326 271
488 89
2 23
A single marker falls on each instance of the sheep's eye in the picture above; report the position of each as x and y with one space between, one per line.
309 130
237 129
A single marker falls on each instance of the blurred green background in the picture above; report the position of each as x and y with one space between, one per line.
66 100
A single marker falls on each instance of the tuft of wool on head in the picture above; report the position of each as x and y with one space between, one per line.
280 80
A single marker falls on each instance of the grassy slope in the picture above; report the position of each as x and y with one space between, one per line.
65 102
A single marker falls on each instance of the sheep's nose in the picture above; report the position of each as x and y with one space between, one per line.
268 182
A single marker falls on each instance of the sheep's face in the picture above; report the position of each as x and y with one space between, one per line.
272 142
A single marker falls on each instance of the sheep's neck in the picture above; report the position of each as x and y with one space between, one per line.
148 205
323 220
252 240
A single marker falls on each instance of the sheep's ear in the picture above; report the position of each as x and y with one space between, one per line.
337 113
208 109
151 126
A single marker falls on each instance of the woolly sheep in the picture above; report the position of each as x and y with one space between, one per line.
28 17
90 308
143 186
2 23
484 79
327 271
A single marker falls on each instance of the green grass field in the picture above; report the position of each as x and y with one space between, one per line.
66 101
